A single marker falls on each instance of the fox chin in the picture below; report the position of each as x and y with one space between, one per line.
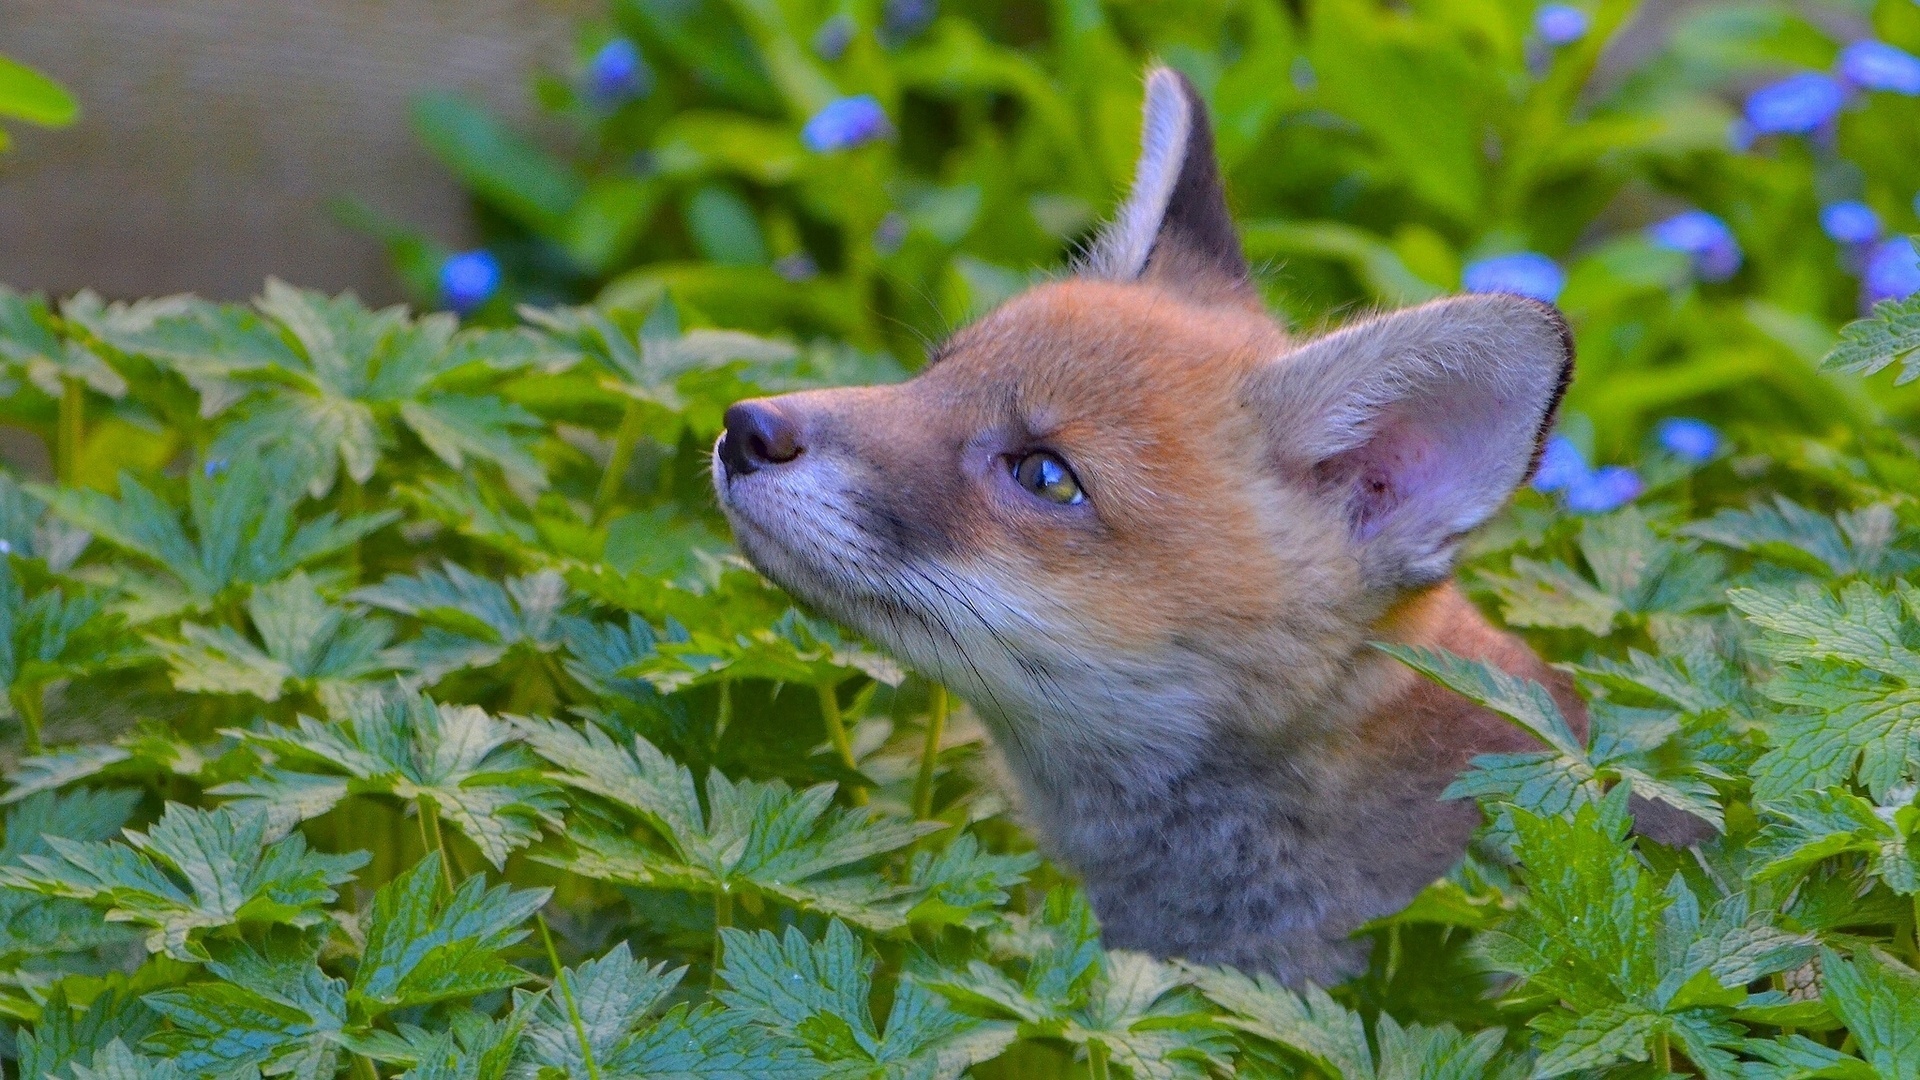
1150 538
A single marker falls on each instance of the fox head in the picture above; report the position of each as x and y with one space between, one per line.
1124 509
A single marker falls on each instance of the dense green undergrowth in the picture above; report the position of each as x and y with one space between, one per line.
383 699
398 709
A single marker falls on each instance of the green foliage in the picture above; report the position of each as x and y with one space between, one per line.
410 715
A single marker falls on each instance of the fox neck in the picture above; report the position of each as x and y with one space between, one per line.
1263 839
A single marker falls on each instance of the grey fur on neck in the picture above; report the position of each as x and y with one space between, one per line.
1241 849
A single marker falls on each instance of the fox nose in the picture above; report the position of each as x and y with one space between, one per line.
759 436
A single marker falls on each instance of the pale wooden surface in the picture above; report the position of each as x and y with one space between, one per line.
215 131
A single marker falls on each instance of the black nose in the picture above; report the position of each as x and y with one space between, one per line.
759 436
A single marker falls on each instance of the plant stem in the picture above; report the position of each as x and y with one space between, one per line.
1662 1052
363 1068
930 752
430 836
625 438
26 702
566 995
722 918
70 430
837 731
1097 1060
722 713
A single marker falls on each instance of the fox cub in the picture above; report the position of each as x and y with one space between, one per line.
1149 538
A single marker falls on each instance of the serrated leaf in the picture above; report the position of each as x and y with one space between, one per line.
1889 333
424 945
1851 684
471 621
762 837
469 764
193 870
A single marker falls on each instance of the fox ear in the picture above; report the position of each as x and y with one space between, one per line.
1174 227
1420 424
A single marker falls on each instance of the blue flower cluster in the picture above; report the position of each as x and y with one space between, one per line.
1810 101
846 123
1585 489
469 279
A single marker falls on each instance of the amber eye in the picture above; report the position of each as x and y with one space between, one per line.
1043 473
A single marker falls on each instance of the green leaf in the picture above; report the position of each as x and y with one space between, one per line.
425 946
28 95
818 995
194 870
471 621
303 640
1891 332
272 1008
610 1000
1868 542
239 530
466 762
1814 826
1878 998
504 168
761 837
1850 682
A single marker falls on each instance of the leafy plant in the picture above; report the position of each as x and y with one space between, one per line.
411 716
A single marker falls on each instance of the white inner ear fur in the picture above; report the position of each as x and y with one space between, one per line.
1420 423
1121 251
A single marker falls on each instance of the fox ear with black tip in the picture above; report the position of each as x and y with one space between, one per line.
1418 425
1174 229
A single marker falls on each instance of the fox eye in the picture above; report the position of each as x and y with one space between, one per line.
1046 475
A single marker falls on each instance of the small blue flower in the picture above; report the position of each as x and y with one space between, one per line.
831 40
617 73
1523 273
1560 24
846 123
6 547
1688 439
1561 465
1604 490
1797 105
1893 272
1876 65
891 233
797 267
1850 222
214 467
469 279
1702 237
905 19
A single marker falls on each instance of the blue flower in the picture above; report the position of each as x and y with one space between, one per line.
1893 272
1688 439
617 73
846 123
831 40
1797 105
1561 465
1876 65
906 18
469 279
1524 273
1603 490
797 267
1704 238
214 467
1560 24
891 233
1850 222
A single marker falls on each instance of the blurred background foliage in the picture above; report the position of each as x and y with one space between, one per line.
881 172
